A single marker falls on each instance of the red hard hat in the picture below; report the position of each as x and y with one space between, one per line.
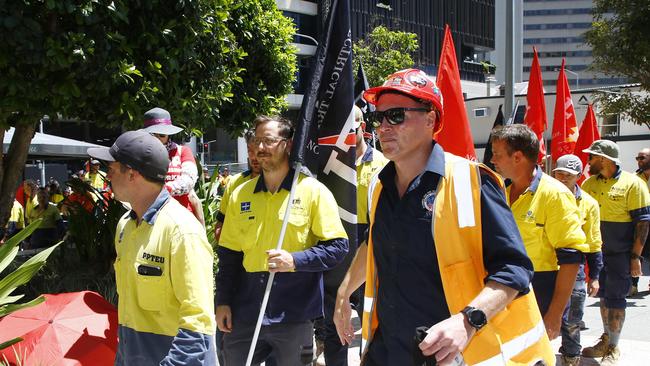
412 82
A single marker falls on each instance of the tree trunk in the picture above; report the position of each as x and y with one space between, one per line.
12 167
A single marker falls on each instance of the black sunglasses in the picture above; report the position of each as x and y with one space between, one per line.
394 116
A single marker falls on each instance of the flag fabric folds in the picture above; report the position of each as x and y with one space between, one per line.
324 137
487 155
359 87
565 126
455 136
535 116
588 134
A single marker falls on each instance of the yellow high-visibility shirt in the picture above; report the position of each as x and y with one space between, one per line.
255 218
370 164
548 219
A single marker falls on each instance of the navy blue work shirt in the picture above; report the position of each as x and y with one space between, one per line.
410 288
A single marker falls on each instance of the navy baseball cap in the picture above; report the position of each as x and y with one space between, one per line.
140 151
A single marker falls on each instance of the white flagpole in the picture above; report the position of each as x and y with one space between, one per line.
269 282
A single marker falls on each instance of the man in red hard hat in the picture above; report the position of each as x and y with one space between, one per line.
443 255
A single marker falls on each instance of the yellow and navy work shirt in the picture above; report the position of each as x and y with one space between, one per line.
368 165
590 218
234 182
314 236
51 216
549 222
164 280
624 200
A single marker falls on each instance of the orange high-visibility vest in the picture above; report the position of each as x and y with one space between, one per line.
516 335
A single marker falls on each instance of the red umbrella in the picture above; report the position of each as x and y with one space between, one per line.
77 328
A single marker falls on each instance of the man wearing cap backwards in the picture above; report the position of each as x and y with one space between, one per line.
163 268
624 218
547 217
452 282
182 173
95 177
315 241
568 170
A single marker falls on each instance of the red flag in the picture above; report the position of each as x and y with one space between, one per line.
535 117
565 127
455 136
588 134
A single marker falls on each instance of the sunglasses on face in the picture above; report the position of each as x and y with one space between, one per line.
639 158
393 116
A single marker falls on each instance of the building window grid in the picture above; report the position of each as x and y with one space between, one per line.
554 40
553 12
557 26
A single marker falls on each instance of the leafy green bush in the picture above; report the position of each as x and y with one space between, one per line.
19 276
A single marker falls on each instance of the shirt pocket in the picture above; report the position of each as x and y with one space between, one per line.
297 235
246 228
151 292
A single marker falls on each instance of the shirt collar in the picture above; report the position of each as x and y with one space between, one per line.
534 183
616 175
578 193
435 164
247 173
152 212
536 179
286 182
367 156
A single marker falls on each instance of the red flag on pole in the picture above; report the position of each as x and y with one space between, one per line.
565 126
535 117
588 134
455 136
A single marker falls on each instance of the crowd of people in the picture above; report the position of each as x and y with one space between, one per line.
455 263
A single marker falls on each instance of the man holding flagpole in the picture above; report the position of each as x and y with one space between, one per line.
315 241
443 256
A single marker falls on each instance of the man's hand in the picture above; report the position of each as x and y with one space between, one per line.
552 324
217 230
592 287
224 318
280 261
447 339
635 267
342 319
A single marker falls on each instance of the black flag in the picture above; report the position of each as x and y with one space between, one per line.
359 87
487 155
324 139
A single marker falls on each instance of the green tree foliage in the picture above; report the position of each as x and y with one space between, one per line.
383 52
209 62
620 46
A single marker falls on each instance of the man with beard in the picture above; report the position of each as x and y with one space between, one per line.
314 241
624 219
253 171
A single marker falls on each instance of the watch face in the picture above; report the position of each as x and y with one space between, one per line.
478 318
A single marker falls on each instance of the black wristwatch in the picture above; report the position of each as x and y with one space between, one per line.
475 317
635 256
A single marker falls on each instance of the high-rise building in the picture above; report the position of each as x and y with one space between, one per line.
471 21
556 28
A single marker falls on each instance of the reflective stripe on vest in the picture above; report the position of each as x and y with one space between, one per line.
516 335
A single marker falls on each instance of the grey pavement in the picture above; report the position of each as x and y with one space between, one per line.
635 338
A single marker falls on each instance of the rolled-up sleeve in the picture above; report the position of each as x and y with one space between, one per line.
504 255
